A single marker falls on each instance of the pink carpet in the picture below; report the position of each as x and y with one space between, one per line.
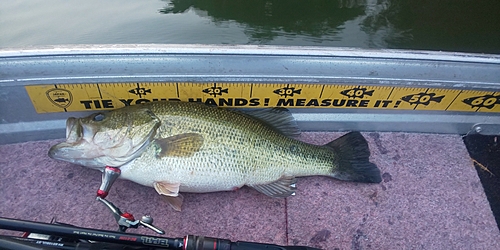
430 198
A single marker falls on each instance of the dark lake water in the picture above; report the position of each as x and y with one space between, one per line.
450 25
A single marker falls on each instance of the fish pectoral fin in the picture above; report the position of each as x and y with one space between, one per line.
167 189
174 201
182 145
281 188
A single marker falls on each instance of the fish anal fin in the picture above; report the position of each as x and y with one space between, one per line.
282 188
182 145
174 201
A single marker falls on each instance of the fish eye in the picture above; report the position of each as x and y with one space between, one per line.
98 117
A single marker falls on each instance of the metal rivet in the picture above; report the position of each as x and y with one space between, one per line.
478 129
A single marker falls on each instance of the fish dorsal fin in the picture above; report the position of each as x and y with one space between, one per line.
182 145
280 119
282 188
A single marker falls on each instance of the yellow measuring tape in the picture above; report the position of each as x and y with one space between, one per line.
99 96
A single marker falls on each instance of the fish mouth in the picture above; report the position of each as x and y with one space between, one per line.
70 149
86 145
73 130
73 150
74 135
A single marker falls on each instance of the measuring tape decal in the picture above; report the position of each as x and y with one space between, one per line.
99 96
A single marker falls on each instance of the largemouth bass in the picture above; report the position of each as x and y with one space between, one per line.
190 147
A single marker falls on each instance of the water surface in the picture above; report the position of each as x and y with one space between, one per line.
451 25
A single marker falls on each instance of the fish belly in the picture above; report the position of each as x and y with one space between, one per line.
205 171
216 168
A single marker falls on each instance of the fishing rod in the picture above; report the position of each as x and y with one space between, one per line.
65 236
58 235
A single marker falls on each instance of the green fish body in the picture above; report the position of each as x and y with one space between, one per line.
189 147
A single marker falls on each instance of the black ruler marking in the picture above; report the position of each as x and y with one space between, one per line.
99 90
390 93
453 101
321 93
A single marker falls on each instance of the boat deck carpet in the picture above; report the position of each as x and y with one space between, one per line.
430 198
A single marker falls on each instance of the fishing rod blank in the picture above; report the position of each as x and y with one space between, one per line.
38 244
91 234
206 243
189 242
11 243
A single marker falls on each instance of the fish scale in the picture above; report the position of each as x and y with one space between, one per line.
190 147
239 158
238 148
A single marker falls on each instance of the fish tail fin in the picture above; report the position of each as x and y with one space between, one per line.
353 159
